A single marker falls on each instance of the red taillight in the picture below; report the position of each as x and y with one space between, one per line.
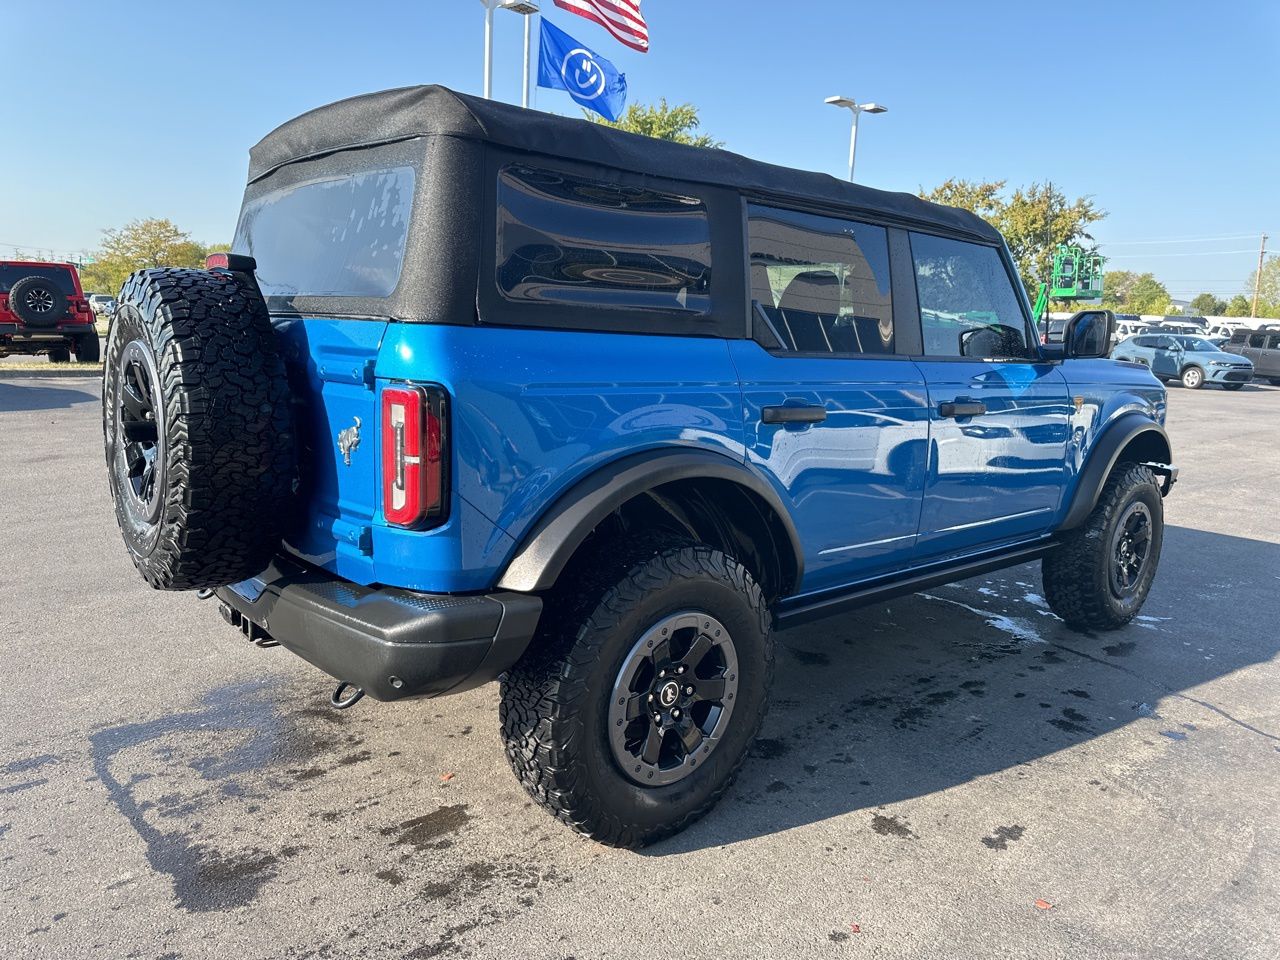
413 461
216 261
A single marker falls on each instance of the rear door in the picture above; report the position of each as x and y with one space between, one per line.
835 411
999 414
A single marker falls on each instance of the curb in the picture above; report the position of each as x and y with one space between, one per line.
41 371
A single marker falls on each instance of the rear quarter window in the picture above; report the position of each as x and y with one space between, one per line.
568 240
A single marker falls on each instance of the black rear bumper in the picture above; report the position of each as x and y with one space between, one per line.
391 643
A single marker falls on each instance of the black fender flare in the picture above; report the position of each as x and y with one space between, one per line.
1106 452
550 543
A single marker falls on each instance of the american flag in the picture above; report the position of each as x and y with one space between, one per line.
622 18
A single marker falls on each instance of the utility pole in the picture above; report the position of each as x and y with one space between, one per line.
1257 277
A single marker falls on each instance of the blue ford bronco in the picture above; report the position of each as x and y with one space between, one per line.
487 394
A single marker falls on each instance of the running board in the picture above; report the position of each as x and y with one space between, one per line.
797 610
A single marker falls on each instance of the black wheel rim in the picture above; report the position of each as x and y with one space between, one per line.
39 300
1130 549
139 430
673 698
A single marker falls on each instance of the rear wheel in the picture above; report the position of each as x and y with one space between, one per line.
633 710
59 355
1193 378
1100 574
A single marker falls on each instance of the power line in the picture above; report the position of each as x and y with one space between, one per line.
1131 243
1201 253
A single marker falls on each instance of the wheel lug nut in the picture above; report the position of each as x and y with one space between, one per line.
661 674
651 698
680 669
675 714
688 691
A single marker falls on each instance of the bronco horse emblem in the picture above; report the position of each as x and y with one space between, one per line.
348 440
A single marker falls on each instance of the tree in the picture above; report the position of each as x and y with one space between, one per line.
1127 292
1207 305
1239 306
662 121
140 244
1269 288
1034 220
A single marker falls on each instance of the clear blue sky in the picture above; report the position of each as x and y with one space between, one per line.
1165 112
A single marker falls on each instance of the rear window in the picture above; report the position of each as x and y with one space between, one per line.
12 273
564 239
338 236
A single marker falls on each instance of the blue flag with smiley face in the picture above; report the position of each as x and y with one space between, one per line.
565 64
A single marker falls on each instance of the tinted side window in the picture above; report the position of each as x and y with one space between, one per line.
332 237
968 307
1256 340
1274 343
566 239
823 282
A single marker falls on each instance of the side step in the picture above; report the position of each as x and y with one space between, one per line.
802 609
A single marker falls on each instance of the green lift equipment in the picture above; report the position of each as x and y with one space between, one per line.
1077 275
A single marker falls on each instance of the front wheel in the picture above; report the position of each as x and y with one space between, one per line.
1193 378
1099 575
633 710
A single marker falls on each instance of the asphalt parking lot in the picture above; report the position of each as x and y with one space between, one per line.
948 775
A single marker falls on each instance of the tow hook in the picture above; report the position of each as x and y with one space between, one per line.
340 699
204 593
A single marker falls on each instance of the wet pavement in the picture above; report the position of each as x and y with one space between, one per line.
953 774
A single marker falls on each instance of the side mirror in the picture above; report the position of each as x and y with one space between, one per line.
1088 334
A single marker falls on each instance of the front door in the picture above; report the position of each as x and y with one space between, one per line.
1166 357
834 414
999 415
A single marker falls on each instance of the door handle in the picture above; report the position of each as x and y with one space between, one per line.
962 408
807 414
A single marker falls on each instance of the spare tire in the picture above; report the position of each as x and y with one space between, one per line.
200 441
38 301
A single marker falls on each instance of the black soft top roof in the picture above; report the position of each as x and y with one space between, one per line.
425 111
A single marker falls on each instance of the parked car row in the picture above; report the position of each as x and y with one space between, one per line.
1195 361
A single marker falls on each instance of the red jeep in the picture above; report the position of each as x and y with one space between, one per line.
44 310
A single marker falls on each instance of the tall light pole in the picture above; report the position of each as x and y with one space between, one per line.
856 109
527 10
488 46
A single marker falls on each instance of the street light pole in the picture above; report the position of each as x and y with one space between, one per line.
488 47
857 109
526 9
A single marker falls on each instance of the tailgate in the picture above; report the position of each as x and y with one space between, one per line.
330 365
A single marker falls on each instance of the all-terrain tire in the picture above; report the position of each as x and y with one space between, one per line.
555 701
1193 378
1078 574
88 349
193 354
38 301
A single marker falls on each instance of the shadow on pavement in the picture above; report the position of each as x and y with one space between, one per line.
924 693
42 395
